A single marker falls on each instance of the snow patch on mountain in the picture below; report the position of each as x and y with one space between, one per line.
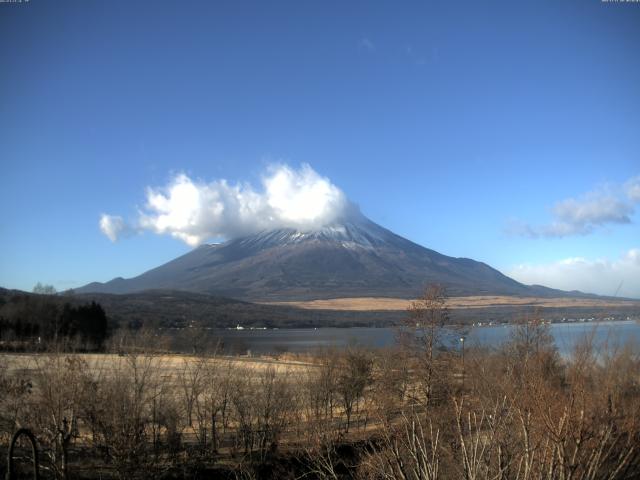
353 234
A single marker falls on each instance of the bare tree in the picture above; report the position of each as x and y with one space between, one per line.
17 388
44 289
242 400
120 408
427 317
219 383
191 380
391 382
274 406
409 450
58 393
354 377
320 387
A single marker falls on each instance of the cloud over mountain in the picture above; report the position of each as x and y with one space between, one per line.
602 276
195 211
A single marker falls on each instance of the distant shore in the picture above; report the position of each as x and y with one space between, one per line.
488 301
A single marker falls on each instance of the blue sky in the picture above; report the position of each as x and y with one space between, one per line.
508 132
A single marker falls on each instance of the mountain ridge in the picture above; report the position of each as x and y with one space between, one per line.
352 257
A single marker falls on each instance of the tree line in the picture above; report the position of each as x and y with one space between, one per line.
29 320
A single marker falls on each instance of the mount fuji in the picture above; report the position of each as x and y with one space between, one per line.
352 257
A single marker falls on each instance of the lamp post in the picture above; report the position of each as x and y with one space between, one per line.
463 372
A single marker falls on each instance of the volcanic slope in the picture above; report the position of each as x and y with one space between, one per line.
351 258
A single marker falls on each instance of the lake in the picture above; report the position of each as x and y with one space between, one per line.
566 336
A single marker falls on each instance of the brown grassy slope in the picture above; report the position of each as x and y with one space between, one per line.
394 304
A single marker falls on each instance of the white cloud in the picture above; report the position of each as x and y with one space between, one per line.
365 43
112 226
602 276
584 215
195 211
632 188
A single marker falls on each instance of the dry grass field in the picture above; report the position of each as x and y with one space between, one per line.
169 365
395 304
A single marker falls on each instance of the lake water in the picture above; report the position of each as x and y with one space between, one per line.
566 336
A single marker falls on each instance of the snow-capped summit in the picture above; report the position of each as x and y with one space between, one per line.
351 232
